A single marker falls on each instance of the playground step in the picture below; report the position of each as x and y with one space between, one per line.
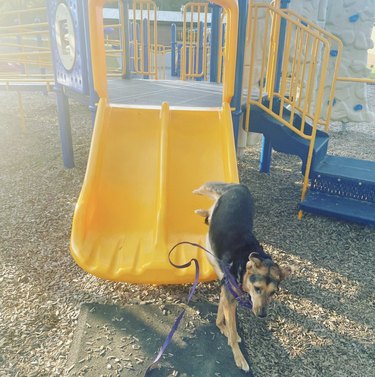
345 177
284 140
339 207
362 170
344 188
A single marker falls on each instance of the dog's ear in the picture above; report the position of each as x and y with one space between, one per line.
285 272
254 260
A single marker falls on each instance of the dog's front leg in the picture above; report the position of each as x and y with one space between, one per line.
220 319
230 307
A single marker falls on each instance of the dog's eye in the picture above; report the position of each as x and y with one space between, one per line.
258 290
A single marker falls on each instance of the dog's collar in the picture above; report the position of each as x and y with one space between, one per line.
242 298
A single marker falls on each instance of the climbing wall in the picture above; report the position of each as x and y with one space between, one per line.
352 21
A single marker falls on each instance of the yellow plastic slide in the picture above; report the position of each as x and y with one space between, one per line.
137 201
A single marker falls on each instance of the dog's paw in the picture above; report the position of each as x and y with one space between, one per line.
241 362
223 329
238 340
202 212
198 191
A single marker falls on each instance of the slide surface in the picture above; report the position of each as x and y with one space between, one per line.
136 201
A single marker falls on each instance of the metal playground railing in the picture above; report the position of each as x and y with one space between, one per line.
25 54
288 61
145 38
194 41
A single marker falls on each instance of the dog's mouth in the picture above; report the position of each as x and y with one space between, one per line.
260 313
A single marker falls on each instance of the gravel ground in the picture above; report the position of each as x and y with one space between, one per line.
321 324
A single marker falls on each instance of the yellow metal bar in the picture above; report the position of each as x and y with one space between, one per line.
204 63
356 79
24 33
252 27
155 42
25 53
316 118
21 27
221 50
32 47
116 26
309 84
99 65
135 38
23 11
264 54
142 45
183 49
301 81
333 86
296 83
191 40
198 40
295 66
284 69
27 78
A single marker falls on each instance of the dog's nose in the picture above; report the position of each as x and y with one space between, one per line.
262 313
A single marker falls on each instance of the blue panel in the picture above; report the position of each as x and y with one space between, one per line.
215 24
76 78
285 140
340 208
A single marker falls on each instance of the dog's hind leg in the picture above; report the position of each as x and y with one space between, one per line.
214 190
202 212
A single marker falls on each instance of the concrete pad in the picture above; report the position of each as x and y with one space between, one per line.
122 341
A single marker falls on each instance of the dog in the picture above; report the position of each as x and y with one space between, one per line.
230 241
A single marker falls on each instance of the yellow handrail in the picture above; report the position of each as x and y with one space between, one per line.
356 79
304 66
335 43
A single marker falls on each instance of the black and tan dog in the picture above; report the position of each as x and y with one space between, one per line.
231 241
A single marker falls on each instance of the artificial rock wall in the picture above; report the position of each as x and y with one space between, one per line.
352 21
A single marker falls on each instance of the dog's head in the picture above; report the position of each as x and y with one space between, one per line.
261 281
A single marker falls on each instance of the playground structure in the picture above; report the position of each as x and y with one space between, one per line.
136 200
135 203
25 53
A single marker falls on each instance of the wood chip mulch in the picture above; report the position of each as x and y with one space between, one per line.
321 324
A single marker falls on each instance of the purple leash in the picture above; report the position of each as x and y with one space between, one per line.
230 283
235 289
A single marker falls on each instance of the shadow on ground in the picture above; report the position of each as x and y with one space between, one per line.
110 340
